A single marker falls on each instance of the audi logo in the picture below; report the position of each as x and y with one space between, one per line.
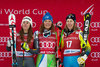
5 54
95 24
48 44
4 39
95 54
79 24
95 39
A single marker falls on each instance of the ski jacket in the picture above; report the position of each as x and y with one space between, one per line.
72 44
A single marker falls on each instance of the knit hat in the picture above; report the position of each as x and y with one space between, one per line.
71 16
47 16
27 18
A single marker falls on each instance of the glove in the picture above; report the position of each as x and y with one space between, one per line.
25 46
82 59
9 43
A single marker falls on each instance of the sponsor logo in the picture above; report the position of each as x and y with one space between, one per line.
95 24
95 39
4 39
94 44
75 38
49 44
4 24
95 54
95 60
88 10
5 54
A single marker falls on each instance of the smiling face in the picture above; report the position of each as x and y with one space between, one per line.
25 25
70 23
47 24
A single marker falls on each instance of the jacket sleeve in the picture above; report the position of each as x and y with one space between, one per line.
87 46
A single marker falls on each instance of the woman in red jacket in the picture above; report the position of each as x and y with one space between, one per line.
24 41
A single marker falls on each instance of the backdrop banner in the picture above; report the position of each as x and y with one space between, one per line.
59 9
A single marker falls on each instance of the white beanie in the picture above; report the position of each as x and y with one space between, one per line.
27 18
